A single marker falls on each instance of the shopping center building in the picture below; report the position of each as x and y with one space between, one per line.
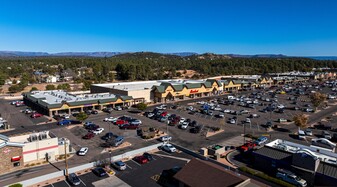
56 102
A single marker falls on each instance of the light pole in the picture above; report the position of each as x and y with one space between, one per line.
65 156
167 124
110 157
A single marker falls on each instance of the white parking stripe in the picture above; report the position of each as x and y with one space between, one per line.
82 182
67 183
128 166
136 163
52 184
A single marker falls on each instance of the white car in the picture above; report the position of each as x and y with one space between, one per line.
232 121
110 119
226 111
66 116
169 148
248 120
165 138
217 109
182 120
83 151
98 131
184 125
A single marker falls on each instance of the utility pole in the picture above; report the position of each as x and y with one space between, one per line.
65 156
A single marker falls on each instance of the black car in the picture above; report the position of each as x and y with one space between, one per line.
73 179
195 129
107 136
92 127
148 156
94 112
193 123
99 172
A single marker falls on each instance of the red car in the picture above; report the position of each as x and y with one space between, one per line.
247 146
89 135
140 159
121 122
164 114
36 115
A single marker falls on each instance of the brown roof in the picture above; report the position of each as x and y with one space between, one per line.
203 173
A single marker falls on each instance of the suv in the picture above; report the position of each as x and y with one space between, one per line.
326 135
290 177
73 179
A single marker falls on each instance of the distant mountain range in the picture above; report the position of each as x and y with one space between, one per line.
110 54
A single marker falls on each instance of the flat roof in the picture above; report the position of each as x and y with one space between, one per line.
141 85
323 154
26 137
58 96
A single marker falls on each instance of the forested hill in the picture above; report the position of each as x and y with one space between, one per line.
148 66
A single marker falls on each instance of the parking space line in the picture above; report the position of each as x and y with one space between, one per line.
136 162
127 165
67 183
52 184
82 182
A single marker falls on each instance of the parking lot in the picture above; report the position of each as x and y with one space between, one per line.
146 174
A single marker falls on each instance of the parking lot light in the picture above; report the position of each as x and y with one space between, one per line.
110 152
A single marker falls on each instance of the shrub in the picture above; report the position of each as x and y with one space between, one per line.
141 106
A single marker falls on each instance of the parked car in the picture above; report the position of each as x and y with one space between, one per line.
110 119
119 165
247 146
98 131
165 138
140 159
196 129
64 122
89 135
326 134
107 136
148 156
261 140
128 126
290 177
308 132
169 148
83 151
92 127
282 120
94 112
184 125
87 123
254 116
73 179
301 135
36 115
99 172
232 121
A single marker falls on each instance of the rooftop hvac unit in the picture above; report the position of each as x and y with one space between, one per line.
42 136
32 138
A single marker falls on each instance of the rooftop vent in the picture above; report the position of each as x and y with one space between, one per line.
32 138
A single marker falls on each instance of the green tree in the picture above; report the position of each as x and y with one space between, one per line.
141 106
317 99
65 86
50 87
15 88
82 116
33 89
301 121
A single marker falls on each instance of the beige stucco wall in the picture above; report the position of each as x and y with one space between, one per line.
37 150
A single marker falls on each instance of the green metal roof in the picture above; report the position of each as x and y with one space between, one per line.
178 87
102 101
125 97
207 84
193 85
160 89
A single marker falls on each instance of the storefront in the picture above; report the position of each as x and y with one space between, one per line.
174 91
59 102
11 156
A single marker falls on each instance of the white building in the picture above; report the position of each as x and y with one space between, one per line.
51 79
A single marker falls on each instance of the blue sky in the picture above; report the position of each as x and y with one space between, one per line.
291 27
